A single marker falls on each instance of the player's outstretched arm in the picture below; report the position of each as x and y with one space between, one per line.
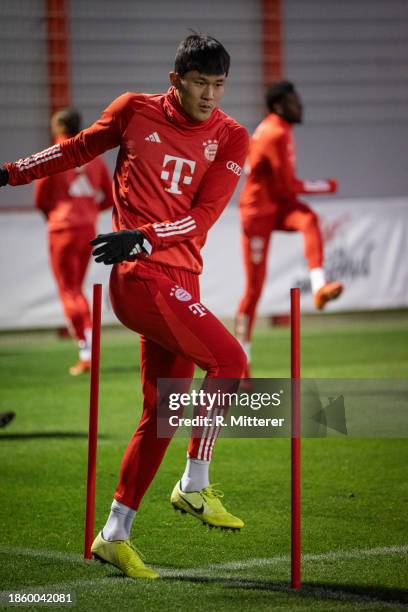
104 134
278 152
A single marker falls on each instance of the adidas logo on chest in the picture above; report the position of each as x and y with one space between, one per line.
153 137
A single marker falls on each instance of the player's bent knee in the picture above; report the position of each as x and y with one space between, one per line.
231 363
242 361
238 361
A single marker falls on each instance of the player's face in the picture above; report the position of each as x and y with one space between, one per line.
292 108
199 94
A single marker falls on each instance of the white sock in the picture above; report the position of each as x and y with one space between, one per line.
195 475
88 336
246 345
84 351
119 523
85 345
317 279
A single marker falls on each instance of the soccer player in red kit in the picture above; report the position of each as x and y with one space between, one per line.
71 202
269 201
179 161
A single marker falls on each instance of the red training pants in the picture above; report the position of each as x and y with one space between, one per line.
256 236
162 304
70 253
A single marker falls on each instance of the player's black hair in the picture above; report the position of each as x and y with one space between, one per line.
276 91
202 53
70 119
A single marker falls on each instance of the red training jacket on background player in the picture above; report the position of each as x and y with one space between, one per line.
173 177
271 182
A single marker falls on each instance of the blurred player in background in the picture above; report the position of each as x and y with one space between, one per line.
269 201
71 202
179 162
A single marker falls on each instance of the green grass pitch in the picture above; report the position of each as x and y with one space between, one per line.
355 496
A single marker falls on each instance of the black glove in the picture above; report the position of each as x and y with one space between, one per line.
119 246
4 177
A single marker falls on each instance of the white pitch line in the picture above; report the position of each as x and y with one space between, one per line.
209 569
40 552
334 554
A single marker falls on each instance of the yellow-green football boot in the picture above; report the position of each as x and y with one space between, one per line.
206 506
122 555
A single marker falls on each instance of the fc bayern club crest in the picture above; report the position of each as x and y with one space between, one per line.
180 293
210 149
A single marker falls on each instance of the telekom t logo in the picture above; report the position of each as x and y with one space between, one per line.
179 162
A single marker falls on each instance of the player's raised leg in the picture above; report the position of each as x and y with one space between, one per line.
177 330
194 493
300 217
170 313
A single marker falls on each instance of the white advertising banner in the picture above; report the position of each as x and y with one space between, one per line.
366 248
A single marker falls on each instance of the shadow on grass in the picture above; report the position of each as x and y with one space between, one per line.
34 435
331 591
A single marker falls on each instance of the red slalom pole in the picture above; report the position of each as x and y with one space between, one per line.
295 440
93 420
